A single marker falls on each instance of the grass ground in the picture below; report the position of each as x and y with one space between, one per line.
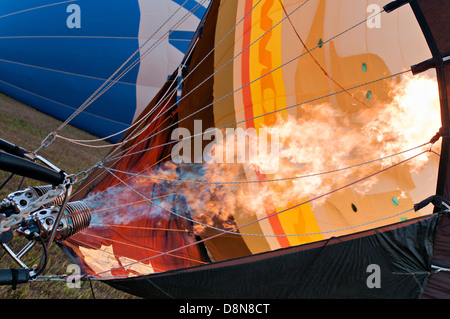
27 127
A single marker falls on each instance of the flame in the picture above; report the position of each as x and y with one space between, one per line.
411 118
323 139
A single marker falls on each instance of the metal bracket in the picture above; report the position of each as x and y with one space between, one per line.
430 64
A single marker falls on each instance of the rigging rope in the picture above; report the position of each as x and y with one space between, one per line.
80 142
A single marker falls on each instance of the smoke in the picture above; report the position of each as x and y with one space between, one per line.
323 139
